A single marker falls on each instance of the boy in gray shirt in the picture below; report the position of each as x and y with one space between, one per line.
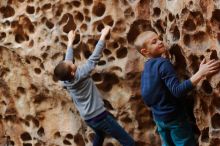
86 96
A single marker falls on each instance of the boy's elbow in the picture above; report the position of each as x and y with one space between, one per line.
177 93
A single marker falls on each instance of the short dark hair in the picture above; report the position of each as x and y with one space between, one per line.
62 71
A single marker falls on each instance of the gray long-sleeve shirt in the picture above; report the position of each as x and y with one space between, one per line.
82 89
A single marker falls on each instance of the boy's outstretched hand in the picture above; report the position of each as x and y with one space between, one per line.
71 37
205 69
105 32
208 68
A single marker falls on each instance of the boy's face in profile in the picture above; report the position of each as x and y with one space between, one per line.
153 46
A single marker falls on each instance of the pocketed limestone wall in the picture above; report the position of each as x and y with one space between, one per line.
36 111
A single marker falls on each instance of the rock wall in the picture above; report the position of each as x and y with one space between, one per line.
36 111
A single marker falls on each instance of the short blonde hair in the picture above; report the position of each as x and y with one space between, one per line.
139 42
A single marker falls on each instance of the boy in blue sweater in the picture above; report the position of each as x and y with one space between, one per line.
85 95
162 91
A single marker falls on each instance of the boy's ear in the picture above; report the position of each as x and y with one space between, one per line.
72 73
144 51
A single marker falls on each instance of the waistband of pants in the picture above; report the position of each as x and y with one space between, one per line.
98 117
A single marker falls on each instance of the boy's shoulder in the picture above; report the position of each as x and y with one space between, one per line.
159 60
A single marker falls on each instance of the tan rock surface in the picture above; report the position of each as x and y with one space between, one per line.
36 111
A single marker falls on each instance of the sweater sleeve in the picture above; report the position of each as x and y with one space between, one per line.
90 64
168 75
69 54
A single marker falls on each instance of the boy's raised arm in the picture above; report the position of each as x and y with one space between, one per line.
69 51
99 46
90 64
178 89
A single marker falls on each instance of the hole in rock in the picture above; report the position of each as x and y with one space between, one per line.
87 53
206 86
204 107
186 40
110 79
171 17
102 62
20 38
25 136
39 98
27 144
159 26
98 9
216 121
63 19
79 16
69 136
36 122
108 20
21 90
33 87
78 139
76 3
100 27
128 13
200 41
7 11
108 105
44 56
156 11
57 135
70 24
87 18
40 132
55 56
189 25
216 101
30 9
126 119
86 11
176 52
176 34
205 135
58 10
49 24
77 39
97 77
194 60
107 52
46 7
66 142
214 55
87 2
37 70
216 15
83 27
121 52
2 35
110 59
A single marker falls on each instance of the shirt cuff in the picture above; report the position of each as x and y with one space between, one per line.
189 84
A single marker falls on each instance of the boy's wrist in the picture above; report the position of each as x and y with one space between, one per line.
102 38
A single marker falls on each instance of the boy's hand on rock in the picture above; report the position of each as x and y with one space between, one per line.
105 32
71 36
210 67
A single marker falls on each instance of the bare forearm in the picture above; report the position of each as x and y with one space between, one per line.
196 78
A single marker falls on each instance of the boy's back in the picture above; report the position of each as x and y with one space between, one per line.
159 90
83 90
